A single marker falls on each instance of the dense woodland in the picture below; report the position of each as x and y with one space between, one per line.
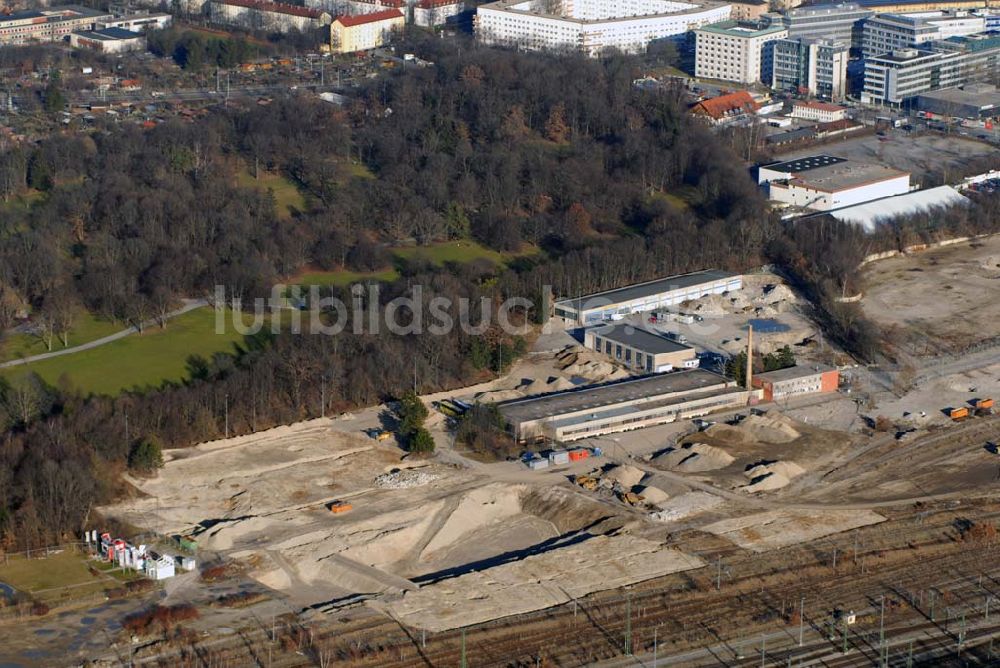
612 184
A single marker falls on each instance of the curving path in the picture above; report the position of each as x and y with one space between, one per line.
189 305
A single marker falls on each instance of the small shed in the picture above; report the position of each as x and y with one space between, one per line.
159 567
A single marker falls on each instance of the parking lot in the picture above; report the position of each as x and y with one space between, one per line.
922 155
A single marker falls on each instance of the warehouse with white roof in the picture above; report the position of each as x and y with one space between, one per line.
869 214
641 297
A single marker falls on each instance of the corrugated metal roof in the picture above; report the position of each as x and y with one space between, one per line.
868 214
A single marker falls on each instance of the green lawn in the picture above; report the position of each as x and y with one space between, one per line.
343 277
287 196
358 170
58 570
675 200
139 361
437 254
22 200
86 327
449 251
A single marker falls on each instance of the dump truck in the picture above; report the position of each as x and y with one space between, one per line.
379 434
958 413
983 406
588 482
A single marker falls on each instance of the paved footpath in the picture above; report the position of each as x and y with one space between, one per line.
190 305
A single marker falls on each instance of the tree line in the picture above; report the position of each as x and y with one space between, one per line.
609 184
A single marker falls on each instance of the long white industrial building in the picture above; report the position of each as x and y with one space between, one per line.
663 292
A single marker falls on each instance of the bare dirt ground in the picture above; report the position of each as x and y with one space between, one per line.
940 300
917 155
448 542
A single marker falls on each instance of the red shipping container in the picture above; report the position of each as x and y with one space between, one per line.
577 455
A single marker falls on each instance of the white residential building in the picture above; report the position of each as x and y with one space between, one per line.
885 33
425 13
363 32
137 22
266 16
734 51
591 26
429 13
821 112
47 24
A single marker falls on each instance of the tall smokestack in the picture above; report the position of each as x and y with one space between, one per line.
749 358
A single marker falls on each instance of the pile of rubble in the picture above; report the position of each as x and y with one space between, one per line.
404 479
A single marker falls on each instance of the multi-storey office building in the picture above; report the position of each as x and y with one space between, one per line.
890 32
895 78
839 22
810 66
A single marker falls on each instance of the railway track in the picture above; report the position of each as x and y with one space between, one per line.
595 628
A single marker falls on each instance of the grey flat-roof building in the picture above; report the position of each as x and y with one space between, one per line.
640 349
838 21
975 101
630 404
663 292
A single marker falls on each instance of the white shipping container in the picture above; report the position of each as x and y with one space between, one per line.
538 464
559 457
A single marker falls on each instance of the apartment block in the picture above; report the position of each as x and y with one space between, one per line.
591 26
737 51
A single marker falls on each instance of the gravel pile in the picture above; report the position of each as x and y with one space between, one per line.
404 479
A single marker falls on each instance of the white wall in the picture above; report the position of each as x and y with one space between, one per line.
798 195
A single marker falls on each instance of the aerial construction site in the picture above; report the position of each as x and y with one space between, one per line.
785 522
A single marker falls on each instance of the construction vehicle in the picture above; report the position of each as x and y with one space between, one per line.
958 414
379 434
338 507
983 406
588 482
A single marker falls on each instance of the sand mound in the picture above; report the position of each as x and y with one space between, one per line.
784 468
478 508
766 483
654 496
625 475
771 428
694 458
589 364
551 384
498 395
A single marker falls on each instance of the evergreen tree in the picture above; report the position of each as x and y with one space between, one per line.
145 456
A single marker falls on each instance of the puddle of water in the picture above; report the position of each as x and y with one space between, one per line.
767 325
87 621
45 632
